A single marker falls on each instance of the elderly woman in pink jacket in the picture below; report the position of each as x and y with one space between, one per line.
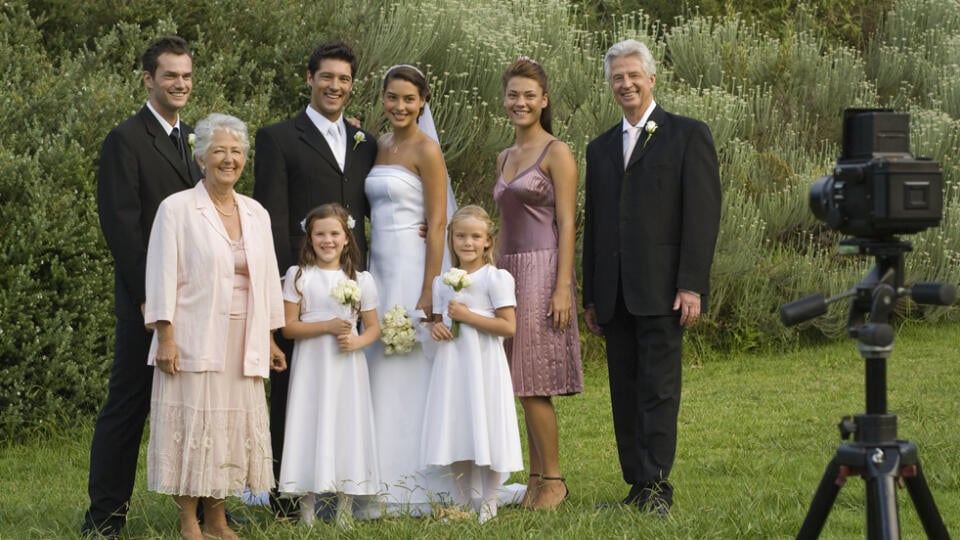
213 299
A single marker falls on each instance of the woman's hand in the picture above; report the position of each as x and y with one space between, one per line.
560 305
278 360
168 360
425 302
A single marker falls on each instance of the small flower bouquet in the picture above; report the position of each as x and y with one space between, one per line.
397 331
347 292
457 279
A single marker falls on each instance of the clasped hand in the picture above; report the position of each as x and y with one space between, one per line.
347 341
457 311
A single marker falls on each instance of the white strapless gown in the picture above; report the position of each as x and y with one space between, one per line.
399 382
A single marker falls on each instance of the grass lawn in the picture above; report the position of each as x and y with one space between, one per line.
756 432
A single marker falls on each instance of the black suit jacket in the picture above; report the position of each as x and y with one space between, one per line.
139 167
295 172
652 227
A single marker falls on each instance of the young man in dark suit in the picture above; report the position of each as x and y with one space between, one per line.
142 161
311 159
652 219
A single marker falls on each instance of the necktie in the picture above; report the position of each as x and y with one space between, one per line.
336 145
178 144
632 131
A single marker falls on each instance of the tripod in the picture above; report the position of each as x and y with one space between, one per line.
875 452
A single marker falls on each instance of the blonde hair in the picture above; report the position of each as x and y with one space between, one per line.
475 212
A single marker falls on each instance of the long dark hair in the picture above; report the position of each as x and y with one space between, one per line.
349 257
531 69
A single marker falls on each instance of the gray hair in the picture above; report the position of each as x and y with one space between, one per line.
219 122
629 47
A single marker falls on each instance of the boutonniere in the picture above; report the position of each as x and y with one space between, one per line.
358 138
192 141
650 127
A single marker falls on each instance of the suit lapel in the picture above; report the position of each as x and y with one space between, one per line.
310 135
163 146
352 144
648 140
614 145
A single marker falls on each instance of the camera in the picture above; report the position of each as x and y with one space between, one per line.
878 189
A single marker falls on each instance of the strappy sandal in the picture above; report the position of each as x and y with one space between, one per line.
566 492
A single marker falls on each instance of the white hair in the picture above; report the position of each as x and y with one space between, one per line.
219 122
629 47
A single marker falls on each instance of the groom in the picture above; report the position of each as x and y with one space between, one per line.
652 219
311 159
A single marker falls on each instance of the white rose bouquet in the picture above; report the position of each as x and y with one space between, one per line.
458 279
397 331
347 292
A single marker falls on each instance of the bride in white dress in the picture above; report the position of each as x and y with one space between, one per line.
407 189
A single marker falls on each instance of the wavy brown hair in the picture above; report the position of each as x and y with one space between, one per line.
478 213
349 257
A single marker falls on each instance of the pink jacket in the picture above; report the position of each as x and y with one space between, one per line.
190 281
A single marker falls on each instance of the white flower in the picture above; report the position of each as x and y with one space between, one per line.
650 127
192 141
358 138
347 292
351 223
397 333
457 278
303 224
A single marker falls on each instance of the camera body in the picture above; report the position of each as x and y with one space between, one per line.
878 189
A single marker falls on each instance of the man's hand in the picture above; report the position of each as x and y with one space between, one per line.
590 318
689 305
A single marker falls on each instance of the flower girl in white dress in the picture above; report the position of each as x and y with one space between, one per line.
470 422
329 441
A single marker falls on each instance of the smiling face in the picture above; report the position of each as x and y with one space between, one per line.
328 239
524 101
224 159
470 239
330 86
632 87
170 84
402 103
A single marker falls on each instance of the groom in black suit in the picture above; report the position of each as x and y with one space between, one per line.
311 159
142 161
652 219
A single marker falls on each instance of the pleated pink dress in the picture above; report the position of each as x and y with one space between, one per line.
543 361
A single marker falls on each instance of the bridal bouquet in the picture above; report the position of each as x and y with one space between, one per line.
397 332
457 279
347 292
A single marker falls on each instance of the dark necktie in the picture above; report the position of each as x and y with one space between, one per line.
178 144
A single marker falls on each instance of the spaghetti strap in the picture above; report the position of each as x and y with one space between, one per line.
536 164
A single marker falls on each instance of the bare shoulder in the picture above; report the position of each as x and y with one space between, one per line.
558 156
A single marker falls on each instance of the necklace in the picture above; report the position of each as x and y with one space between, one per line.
397 145
224 214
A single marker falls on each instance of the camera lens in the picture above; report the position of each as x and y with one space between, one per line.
821 195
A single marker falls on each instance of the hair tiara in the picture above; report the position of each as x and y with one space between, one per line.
528 59
411 66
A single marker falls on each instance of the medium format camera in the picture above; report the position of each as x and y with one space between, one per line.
878 189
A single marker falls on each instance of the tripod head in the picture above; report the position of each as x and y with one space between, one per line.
872 302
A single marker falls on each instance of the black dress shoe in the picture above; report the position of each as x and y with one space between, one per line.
638 495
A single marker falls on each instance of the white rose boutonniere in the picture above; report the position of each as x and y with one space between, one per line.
358 138
458 279
650 127
397 331
192 141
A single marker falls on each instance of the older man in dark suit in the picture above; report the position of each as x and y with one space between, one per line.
311 159
142 161
652 219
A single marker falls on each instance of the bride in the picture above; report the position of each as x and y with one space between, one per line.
407 188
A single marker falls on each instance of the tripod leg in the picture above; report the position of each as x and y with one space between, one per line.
927 509
883 521
822 503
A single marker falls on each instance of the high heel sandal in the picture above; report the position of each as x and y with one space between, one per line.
530 497
566 492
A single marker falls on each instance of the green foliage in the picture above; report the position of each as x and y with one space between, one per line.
770 78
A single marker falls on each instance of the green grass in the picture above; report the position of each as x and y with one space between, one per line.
756 432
